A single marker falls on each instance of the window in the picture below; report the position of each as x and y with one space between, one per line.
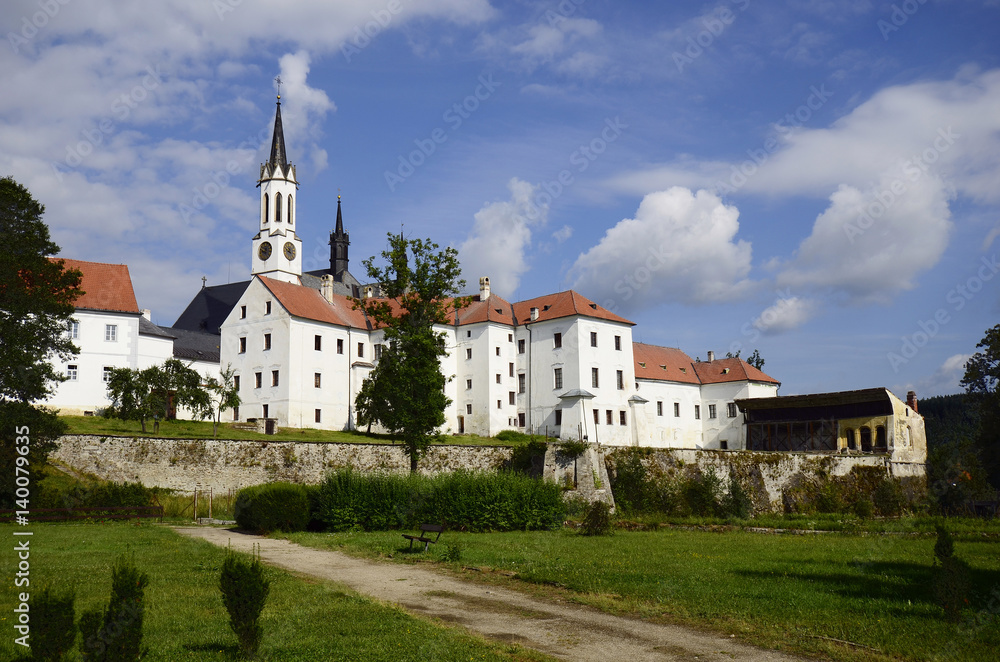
498 351
277 208
711 411
236 383
512 398
558 377
677 410
499 404
236 413
731 410
361 350
520 420
318 343
378 352
468 334
609 417
290 217
267 341
340 345
520 346
267 209
618 343
317 380
621 417
258 379
71 372
510 369
597 417
880 442
594 378
510 337
520 383
557 340
111 332
697 412
866 439
243 312
267 307
852 443
264 411
74 329
243 345
468 383
468 352
659 408
319 412
620 377
593 338
274 378
107 374
558 416
468 409
498 378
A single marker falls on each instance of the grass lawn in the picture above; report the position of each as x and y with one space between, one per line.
185 619
789 592
112 427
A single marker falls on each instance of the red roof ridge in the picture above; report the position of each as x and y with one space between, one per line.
105 286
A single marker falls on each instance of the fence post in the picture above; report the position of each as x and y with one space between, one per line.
210 503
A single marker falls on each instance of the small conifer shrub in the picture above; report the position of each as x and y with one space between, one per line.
597 519
245 588
53 627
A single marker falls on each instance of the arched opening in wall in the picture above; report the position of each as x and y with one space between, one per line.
880 440
267 210
461 424
277 208
852 442
289 209
866 439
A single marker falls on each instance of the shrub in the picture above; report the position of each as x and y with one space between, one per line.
828 498
701 492
573 449
513 435
863 507
244 589
529 458
736 503
272 507
91 626
53 627
630 484
116 635
889 499
597 520
951 581
453 553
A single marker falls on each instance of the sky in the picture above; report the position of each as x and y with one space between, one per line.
817 180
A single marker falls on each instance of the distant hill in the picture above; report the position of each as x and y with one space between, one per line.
949 418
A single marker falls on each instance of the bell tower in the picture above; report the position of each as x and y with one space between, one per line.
277 250
339 242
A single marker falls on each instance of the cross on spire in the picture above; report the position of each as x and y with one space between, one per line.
277 80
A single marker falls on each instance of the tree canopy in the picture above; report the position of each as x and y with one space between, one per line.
982 382
36 304
405 390
138 395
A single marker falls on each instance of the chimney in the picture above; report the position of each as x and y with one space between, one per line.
484 288
147 313
534 314
711 356
327 287
911 400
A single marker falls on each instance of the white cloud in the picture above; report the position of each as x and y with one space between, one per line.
680 247
945 380
562 234
570 46
787 313
500 237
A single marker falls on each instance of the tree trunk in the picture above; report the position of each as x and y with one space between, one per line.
413 459
143 422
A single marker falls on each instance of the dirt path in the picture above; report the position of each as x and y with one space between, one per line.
564 631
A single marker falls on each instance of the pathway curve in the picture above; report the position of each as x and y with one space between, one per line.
564 631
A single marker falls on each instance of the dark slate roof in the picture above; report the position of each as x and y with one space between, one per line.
195 345
149 329
347 286
210 307
278 143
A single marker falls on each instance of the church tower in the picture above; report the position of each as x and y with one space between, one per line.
339 241
277 250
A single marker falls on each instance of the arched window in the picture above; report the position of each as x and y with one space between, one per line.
866 439
289 208
880 442
852 442
277 208
266 209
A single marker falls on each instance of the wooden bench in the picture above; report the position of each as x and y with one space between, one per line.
423 536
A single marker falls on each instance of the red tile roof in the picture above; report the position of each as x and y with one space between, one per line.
564 304
305 302
105 286
494 309
673 365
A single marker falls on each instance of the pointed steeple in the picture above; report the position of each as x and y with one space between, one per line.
339 242
278 142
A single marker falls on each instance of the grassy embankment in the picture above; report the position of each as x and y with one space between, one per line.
797 593
185 619
112 427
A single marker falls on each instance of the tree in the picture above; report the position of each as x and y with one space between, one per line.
223 394
981 381
138 395
131 393
755 359
36 304
405 391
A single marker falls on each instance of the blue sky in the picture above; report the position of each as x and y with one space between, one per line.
816 180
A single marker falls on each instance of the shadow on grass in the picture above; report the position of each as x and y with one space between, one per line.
231 651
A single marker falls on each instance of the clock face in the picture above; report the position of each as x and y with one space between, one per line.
289 250
264 251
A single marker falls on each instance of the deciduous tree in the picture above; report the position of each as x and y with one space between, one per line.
223 394
982 381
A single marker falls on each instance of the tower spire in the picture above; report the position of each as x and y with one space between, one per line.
278 142
339 243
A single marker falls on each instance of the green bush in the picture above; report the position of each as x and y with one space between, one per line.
528 458
736 503
701 492
597 520
889 498
244 589
828 499
513 435
952 577
863 508
116 635
53 626
91 626
272 507
573 449
474 501
631 486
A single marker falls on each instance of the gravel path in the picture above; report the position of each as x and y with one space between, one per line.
564 631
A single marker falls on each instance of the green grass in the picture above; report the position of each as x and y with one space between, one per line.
112 427
790 592
185 618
